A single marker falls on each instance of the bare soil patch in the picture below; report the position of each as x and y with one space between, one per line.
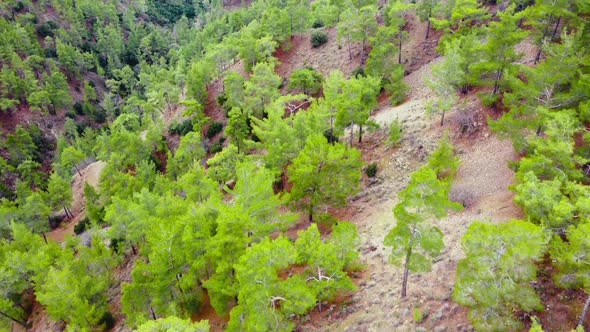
90 174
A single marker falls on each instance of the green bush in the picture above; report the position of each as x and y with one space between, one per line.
81 226
418 315
306 79
318 23
395 131
107 320
214 128
181 128
488 100
371 170
329 135
216 146
46 29
318 38
78 108
221 99
359 71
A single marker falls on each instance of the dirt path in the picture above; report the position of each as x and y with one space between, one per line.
481 184
90 174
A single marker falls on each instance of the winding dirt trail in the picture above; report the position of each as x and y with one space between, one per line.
90 174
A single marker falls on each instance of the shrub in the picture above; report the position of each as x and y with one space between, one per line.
371 170
79 108
329 135
50 53
418 315
221 99
107 320
18 7
216 147
395 131
81 226
117 244
488 100
214 128
397 91
359 71
306 79
46 29
182 128
318 38
318 23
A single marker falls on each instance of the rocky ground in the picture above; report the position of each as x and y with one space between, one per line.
481 184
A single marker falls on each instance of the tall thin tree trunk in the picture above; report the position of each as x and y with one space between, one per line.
44 237
538 56
497 83
406 271
360 134
399 58
351 133
133 249
153 313
362 52
332 130
442 118
349 49
556 26
16 320
584 312
310 213
77 170
428 25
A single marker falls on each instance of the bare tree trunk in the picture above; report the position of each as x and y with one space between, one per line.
310 213
360 134
351 133
442 118
538 56
428 19
584 312
44 237
77 170
399 58
332 130
349 49
362 52
406 271
556 26
497 83
153 313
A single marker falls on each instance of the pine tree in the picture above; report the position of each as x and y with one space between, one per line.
265 301
237 128
261 89
323 174
415 241
59 194
493 279
570 256
498 50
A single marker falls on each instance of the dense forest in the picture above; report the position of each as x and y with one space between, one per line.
222 178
